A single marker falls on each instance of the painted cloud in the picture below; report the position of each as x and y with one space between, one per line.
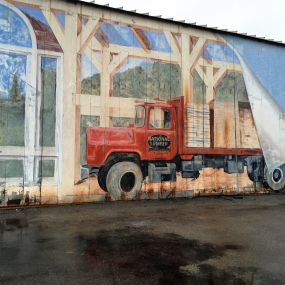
13 30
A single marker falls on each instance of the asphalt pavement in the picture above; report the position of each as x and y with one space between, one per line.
223 240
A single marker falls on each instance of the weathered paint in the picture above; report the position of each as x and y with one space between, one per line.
66 65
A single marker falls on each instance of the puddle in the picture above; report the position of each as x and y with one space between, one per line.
147 258
12 224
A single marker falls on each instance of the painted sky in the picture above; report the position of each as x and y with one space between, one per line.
123 35
49 63
61 17
13 29
88 69
119 34
33 12
158 41
220 52
267 63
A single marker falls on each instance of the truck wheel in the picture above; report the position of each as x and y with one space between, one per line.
275 178
102 179
124 178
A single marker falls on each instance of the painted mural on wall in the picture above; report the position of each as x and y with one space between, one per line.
232 87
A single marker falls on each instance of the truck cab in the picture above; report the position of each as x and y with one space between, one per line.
152 138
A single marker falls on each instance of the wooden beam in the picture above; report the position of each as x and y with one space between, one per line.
220 64
117 62
96 45
95 101
90 53
196 52
58 22
122 112
56 27
173 43
142 39
87 33
202 74
90 111
117 101
88 100
102 38
177 41
185 69
77 174
210 84
105 83
138 52
219 74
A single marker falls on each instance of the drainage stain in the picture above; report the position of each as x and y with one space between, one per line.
157 259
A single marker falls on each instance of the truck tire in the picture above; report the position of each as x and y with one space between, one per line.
275 178
124 178
102 179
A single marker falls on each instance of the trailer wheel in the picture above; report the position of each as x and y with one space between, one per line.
275 178
124 178
102 179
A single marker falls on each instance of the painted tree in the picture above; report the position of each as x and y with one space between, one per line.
15 93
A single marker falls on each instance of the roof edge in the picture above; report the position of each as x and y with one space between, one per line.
181 23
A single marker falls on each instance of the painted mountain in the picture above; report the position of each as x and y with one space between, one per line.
147 79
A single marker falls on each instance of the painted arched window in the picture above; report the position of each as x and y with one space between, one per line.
17 90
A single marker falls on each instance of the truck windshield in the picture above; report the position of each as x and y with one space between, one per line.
140 116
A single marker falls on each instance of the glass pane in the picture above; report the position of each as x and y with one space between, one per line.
140 116
48 102
11 168
85 122
122 121
12 98
159 119
46 168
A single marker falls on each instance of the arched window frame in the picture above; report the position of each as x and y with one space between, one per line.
32 153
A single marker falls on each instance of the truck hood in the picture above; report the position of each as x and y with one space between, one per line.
111 136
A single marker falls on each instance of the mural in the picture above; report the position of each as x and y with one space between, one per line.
75 86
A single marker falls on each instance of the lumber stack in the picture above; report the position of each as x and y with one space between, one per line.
197 125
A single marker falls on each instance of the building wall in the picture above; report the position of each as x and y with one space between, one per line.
66 66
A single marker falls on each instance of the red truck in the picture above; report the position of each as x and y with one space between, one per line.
154 146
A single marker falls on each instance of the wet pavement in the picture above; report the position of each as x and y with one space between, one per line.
198 241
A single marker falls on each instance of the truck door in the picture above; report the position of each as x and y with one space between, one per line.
161 135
